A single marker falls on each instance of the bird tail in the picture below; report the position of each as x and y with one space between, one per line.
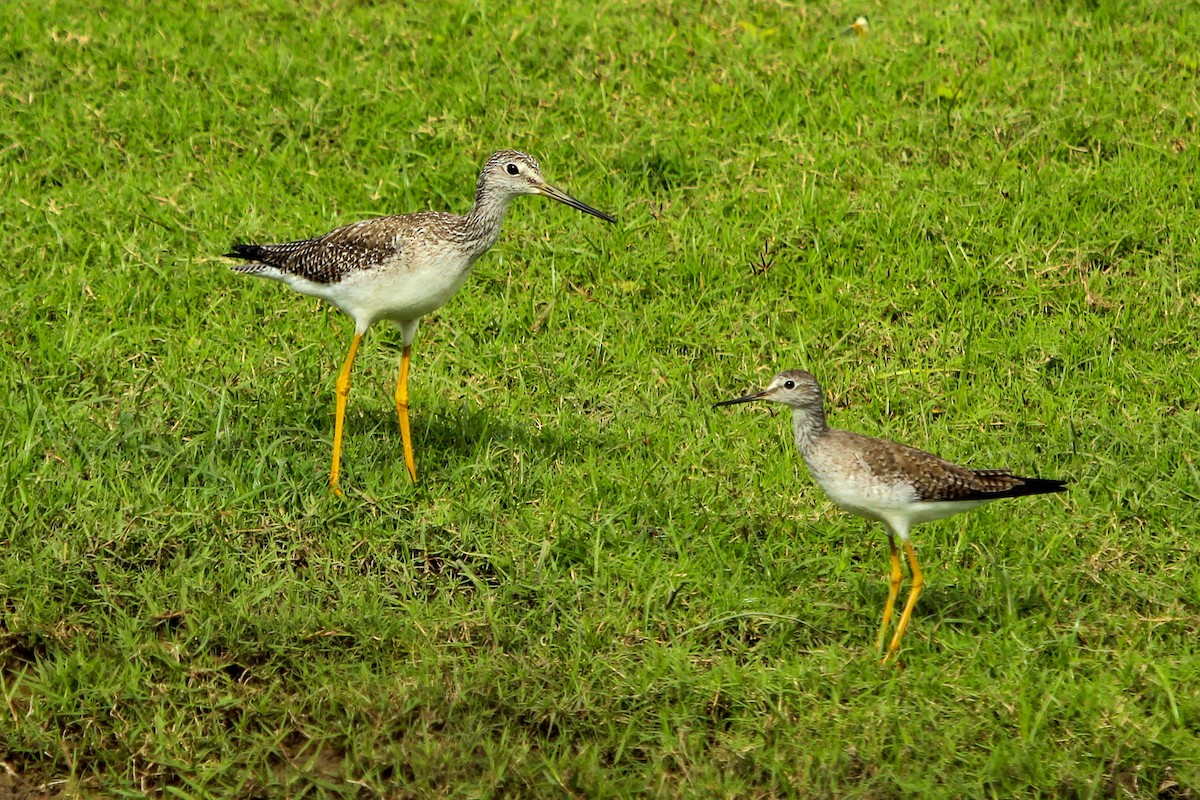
1022 486
251 252
256 255
1044 486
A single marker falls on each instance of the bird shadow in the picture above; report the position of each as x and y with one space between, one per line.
456 430
958 608
968 607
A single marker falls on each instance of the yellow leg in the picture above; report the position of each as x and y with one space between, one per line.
917 582
402 411
343 392
893 592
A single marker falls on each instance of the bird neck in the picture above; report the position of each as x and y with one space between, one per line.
482 223
808 425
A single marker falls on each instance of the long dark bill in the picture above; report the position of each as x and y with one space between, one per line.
748 398
566 199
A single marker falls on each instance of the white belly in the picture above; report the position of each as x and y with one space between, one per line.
393 292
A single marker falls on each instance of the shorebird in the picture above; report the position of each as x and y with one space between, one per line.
400 268
888 482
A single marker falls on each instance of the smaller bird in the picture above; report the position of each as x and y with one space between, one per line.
400 268
887 482
859 27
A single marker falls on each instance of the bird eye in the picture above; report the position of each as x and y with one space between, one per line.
512 169
789 384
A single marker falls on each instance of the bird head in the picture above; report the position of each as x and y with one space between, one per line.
512 173
794 388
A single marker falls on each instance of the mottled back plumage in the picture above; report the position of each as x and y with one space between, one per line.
362 245
936 479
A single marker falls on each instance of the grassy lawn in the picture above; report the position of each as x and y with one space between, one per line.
977 226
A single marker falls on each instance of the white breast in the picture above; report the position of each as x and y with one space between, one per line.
850 484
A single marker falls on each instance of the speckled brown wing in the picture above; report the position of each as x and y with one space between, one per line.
936 479
330 258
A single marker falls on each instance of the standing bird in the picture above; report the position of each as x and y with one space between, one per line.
400 268
879 480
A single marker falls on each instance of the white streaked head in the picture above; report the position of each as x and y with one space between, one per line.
509 173
512 172
794 388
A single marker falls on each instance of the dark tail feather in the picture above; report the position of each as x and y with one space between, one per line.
1044 485
1028 486
251 252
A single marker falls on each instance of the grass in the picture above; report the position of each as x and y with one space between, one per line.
977 226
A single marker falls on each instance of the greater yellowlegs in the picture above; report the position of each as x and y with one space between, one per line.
400 268
891 483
